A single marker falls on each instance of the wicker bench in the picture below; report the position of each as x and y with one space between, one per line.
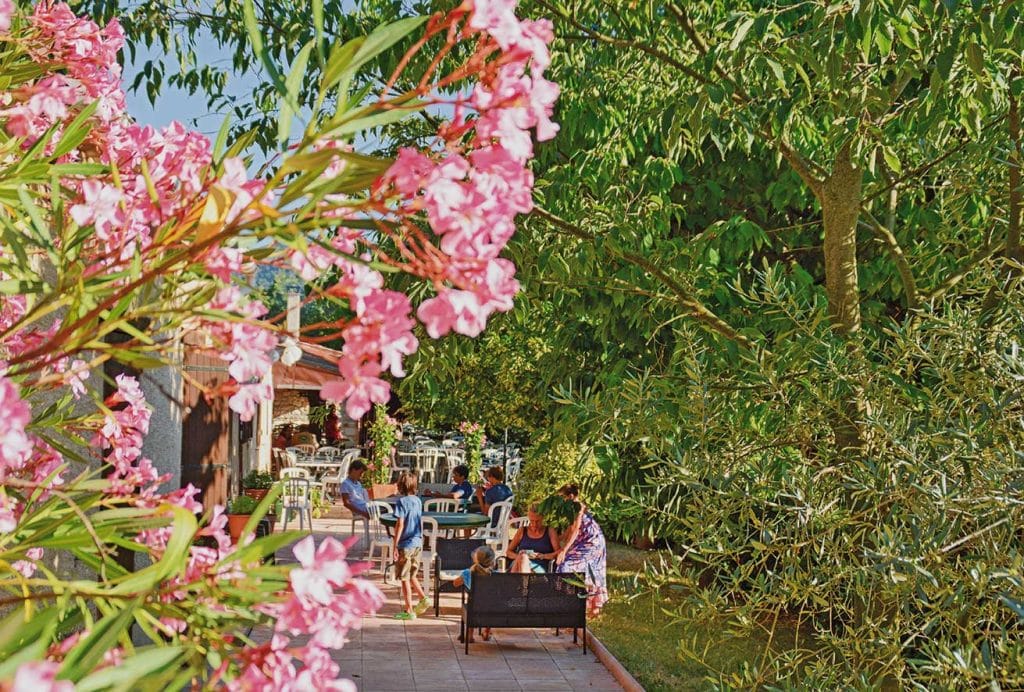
526 600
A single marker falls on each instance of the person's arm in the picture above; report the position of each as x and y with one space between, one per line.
484 507
553 537
399 528
514 544
570 537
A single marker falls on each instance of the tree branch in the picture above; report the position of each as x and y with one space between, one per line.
902 265
692 306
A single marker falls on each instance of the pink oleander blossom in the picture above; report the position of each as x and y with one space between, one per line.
39 676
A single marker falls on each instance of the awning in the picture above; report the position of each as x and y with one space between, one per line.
317 365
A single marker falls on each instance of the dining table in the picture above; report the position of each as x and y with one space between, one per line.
445 520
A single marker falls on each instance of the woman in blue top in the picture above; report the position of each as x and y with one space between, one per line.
534 546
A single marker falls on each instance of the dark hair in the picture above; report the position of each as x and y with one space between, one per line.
569 489
407 483
357 465
462 470
496 473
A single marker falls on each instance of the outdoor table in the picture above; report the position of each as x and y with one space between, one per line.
445 520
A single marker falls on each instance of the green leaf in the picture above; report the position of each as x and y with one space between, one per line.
292 86
741 33
318 27
76 131
102 637
146 663
256 39
975 59
222 138
378 119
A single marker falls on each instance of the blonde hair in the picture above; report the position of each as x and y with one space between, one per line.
483 561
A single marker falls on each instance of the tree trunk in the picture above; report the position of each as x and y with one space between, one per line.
840 198
840 210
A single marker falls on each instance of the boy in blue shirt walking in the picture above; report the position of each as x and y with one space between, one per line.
408 545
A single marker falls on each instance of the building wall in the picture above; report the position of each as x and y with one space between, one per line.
290 406
162 445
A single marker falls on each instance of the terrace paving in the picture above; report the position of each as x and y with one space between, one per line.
424 655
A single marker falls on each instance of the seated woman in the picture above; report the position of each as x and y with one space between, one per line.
534 546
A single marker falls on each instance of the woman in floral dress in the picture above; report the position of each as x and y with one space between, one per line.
585 553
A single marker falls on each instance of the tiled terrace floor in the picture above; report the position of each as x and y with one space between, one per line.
392 655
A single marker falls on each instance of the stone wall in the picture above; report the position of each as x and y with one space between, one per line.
290 406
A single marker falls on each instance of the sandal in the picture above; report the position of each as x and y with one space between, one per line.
405 616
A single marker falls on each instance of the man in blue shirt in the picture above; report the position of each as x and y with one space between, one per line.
353 494
408 544
496 492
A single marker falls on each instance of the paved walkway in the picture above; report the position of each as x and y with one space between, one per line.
425 655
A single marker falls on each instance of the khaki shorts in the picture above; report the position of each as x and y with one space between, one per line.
408 563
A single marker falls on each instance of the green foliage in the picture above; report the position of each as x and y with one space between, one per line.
243 504
383 434
559 512
474 445
258 480
549 464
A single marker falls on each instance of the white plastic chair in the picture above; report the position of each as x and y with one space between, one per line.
294 472
441 504
512 469
297 496
328 452
430 536
379 538
496 533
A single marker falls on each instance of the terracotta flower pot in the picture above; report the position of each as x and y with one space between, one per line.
257 493
379 491
237 522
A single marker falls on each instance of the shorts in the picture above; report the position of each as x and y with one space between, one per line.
407 566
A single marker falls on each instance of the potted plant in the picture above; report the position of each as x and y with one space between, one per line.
473 440
256 484
239 511
383 436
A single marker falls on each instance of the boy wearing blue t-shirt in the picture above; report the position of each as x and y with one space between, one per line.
461 490
408 545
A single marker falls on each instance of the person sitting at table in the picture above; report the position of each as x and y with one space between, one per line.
493 492
353 494
284 437
534 546
462 489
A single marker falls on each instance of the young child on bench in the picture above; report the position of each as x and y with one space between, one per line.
483 565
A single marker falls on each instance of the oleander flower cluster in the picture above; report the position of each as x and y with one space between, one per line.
127 241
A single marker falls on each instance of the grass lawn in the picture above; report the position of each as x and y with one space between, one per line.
646 640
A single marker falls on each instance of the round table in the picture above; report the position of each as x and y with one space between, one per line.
445 520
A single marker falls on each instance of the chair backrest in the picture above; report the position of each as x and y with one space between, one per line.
375 509
328 451
297 492
294 472
456 553
441 504
303 449
503 511
430 533
517 523
512 468
529 594
351 455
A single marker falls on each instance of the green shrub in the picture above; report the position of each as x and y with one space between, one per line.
559 513
548 464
